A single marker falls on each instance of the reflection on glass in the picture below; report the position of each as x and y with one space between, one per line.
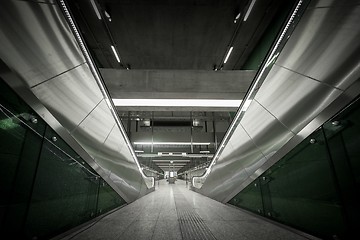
314 188
45 187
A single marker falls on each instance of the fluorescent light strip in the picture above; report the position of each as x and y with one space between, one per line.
237 17
228 54
160 160
171 143
176 103
95 9
249 10
171 164
115 53
206 151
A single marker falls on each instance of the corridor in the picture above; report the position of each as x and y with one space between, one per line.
175 212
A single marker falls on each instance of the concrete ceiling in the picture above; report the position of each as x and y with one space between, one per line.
176 50
177 35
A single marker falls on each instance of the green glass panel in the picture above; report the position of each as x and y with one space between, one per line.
12 136
299 190
250 198
64 195
19 150
108 198
46 188
9 99
16 107
343 138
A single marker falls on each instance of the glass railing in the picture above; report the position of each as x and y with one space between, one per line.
45 188
315 187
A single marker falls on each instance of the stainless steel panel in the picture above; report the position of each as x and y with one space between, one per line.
115 147
101 138
327 59
36 41
328 3
293 98
71 96
238 161
114 157
94 129
265 130
344 99
70 91
325 46
22 90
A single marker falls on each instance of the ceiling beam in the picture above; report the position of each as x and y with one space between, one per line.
177 84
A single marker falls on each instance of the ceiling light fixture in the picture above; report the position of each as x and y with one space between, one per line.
176 103
176 160
115 53
107 15
171 143
204 151
249 10
228 54
237 17
95 9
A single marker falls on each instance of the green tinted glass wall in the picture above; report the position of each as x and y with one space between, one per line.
314 188
46 188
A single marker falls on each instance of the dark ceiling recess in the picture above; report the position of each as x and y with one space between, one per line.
161 123
172 36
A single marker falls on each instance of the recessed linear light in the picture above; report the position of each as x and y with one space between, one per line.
228 54
237 17
249 10
95 9
165 164
176 103
176 160
205 151
115 53
171 143
139 151
171 164
107 15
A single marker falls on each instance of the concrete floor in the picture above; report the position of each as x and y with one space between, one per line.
175 212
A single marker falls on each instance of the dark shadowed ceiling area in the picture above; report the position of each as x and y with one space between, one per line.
176 50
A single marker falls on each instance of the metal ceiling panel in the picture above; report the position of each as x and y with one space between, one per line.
35 41
326 46
295 94
70 96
